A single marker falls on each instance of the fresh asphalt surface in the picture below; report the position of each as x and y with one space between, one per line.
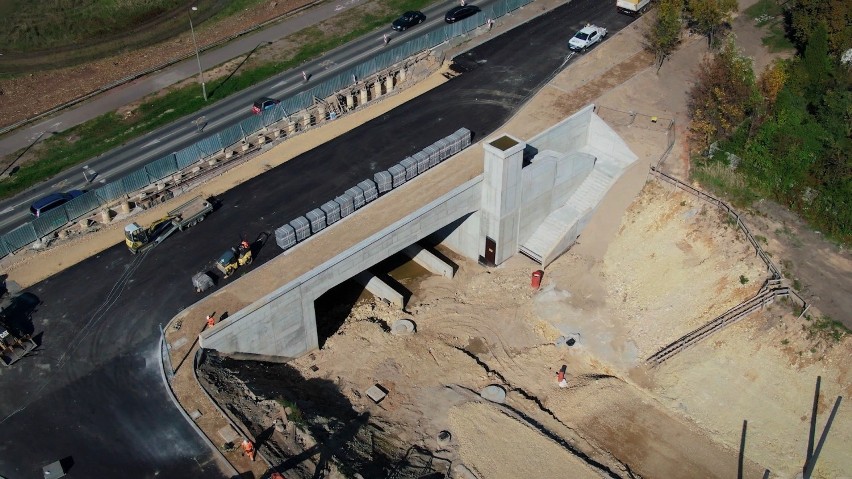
93 390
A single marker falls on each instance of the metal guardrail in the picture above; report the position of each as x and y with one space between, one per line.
172 163
776 273
771 289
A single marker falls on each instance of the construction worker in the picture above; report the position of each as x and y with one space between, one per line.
211 320
244 245
248 449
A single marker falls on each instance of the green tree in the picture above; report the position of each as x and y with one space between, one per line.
836 15
723 96
794 133
663 34
708 16
815 70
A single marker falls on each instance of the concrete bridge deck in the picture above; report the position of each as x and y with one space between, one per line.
486 202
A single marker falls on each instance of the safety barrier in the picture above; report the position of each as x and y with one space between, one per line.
212 145
302 228
771 289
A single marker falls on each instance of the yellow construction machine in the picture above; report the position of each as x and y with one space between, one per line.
15 307
234 258
184 216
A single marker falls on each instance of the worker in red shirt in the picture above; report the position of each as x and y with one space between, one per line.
211 320
248 449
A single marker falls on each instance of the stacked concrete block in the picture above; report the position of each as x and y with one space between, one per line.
347 204
302 227
285 237
422 160
410 165
444 147
357 197
434 155
398 174
463 135
369 189
332 212
384 181
317 219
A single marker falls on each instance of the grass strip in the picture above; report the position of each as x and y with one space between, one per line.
95 137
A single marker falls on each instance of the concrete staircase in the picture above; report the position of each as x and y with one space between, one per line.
562 223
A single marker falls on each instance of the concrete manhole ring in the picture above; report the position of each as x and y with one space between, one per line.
403 327
444 438
493 393
569 340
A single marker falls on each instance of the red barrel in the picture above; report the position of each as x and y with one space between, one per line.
536 278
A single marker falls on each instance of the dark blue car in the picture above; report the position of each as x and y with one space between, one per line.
52 201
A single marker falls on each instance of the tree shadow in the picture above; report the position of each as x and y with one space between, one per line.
223 82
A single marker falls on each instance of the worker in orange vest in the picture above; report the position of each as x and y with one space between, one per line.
211 320
248 449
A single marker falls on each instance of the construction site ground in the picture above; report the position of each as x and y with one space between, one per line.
653 264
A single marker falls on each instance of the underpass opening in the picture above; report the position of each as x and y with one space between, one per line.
335 306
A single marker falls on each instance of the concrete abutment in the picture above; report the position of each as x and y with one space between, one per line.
541 206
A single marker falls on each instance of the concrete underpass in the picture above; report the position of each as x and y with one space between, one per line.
482 209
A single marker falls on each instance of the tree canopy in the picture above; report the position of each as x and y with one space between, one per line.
663 35
804 16
792 128
708 16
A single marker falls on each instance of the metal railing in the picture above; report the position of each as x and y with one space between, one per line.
771 289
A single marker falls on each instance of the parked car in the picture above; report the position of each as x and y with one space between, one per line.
408 20
460 13
53 200
263 104
586 37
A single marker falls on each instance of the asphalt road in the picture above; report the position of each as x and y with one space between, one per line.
219 115
92 391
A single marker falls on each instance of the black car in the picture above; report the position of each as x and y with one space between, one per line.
460 13
407 20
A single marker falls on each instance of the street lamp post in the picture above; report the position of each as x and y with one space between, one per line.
197 56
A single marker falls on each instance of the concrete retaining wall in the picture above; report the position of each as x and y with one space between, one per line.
283 323
551 199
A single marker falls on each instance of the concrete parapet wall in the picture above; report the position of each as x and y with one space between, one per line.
283 323
568 136
547 202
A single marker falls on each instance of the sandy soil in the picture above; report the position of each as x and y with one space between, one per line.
653 264
763 370
523 451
